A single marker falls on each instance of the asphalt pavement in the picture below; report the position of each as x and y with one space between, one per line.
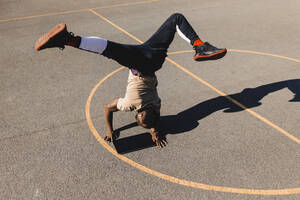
232 125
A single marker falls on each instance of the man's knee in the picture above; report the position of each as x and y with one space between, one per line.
176 15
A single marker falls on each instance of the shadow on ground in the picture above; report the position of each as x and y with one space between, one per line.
188 119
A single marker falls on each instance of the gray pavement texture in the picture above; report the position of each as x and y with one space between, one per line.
47 150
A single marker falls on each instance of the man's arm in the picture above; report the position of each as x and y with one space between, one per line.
109 108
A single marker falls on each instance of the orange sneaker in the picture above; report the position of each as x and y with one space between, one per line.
208 52
56 37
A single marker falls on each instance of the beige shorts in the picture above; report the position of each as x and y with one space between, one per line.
140 91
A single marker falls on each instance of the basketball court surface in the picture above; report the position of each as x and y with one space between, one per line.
232 125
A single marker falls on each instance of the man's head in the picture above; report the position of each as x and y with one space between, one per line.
147 117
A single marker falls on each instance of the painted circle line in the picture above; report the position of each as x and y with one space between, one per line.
171 178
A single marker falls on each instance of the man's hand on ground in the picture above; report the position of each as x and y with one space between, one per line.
110 136
160 142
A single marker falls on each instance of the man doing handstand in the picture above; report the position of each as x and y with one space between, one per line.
142 60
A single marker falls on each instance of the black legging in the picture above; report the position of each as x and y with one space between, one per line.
149 56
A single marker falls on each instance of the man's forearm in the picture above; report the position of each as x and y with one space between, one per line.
108 112
109 119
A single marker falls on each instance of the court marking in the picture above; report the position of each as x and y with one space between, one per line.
76 11
290 136
243 51
166 177
258 116
187 183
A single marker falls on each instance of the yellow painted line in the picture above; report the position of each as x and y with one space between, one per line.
43 15
116 26
295 139
165 176
76 11
125 4
180 52
243 51
265 54
236 102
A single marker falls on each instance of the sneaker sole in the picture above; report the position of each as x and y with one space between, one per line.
46 37
214 56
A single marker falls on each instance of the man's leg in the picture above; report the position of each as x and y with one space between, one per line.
131 56
163 37
126 55
137 57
